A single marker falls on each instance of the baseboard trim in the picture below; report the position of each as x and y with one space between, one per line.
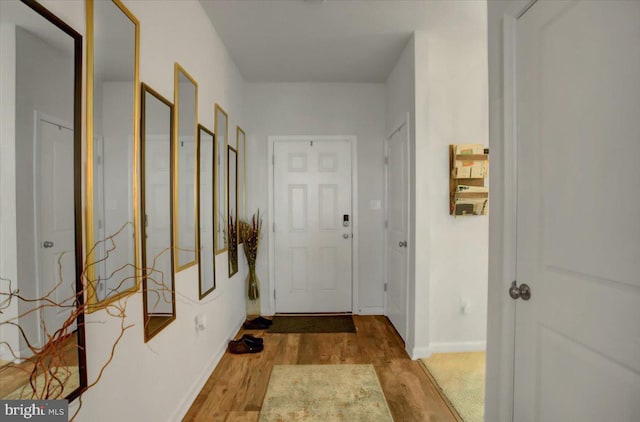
373 310
419 352
463 346
191 395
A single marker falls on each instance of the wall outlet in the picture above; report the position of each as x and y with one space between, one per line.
201 322
465 306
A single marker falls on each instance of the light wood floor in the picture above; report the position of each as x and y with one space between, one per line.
235 390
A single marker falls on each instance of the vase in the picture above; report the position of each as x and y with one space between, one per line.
252 282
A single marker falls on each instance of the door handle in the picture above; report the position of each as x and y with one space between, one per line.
47 244
346 235
523 292
402 244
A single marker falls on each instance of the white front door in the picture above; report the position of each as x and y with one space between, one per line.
577 87
397 220
56 223
313 226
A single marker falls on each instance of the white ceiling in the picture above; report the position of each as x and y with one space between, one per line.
330 40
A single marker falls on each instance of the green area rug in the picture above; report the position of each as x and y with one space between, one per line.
460 377
313 324
324 393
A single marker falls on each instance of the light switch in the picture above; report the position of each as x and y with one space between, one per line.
375 204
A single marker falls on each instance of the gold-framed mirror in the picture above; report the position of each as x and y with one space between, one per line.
221 130
157 156
242 172
205 163
185 233
112 222
232 209
42 346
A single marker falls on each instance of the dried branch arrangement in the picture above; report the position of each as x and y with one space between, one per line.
250 233
47 369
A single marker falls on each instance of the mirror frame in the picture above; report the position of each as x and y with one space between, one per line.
144 88
201 128
229 187
92 303
77 189
176 112
217 204
243 160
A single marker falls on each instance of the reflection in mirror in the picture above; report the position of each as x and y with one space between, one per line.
112 79
242 173
156 134
186 109
232 210
41 296
206 254
221 132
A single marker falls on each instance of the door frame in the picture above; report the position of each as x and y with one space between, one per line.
267 303
404 122
499 397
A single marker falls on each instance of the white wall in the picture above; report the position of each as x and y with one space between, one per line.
159 380
324 109
451 92
8 236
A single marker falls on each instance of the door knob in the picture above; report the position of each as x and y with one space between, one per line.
523 292
402 244
346 235
47 244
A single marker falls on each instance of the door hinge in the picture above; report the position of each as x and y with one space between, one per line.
312 143
274 294
273 160
274 227
386 159
385 287
386 224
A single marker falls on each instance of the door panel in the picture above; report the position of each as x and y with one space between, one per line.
578 99
55 222
312 192
397 233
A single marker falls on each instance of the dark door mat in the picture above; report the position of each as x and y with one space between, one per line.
313 324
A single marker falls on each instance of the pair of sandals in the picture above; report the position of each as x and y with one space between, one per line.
259 323
246 344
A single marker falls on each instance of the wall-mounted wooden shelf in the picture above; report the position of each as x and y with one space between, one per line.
468 195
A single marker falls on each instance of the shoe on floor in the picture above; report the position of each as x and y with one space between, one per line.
254 324
264 321
248 338
240 347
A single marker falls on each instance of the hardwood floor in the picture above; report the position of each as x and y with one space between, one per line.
235 390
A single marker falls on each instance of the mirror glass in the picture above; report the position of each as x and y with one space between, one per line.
206 254
221 131
112 82
41 298
186 98
232 212
242 173
156 133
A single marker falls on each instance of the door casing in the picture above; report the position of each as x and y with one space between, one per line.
267 303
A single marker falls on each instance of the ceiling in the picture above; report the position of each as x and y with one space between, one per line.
330 40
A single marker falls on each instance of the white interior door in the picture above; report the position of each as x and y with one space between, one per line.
397 221
578 225
313 242
56 223
158 221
